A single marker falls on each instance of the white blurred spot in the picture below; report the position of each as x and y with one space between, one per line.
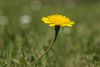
67 30
26 19
36 5
3 20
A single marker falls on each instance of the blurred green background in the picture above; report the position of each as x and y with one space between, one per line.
23 36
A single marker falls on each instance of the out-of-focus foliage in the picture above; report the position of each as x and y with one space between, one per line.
23 37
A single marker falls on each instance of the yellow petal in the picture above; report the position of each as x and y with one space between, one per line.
69 25
64 25
72 22
46 20
52 25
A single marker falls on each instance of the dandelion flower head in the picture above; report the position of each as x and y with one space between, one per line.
57 20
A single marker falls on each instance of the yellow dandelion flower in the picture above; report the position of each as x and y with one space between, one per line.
57 20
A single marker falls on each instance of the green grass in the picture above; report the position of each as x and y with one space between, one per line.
78 46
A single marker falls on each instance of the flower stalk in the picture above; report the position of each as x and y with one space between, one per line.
57 28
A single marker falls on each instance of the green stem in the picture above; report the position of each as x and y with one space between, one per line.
57 28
